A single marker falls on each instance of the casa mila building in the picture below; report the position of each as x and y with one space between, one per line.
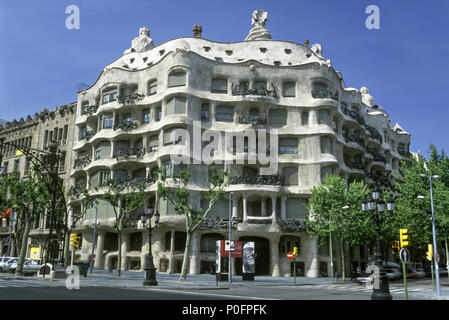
125 124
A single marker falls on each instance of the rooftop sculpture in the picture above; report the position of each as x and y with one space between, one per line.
143 42
259 32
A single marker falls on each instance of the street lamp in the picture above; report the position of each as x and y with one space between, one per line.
377 204
150 270
434 236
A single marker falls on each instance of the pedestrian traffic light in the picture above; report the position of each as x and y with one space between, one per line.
295 251
429 253
395 247
74 240
404 238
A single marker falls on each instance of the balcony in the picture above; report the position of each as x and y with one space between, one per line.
89 110
253 120
291 225
321 93
126 153
126 125
88 134
354 138
357 165
238 90
131 98
273 180
377 156
353 114
82 161
374 133
403 152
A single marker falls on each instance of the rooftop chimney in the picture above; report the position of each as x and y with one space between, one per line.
197 30
306 43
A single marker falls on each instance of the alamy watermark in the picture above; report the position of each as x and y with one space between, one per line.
73 278
217 147
373 20
374 278
73 20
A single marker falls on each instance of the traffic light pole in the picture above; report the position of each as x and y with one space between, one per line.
404 274
435 253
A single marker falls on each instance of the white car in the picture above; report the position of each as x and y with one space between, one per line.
3 260
29 266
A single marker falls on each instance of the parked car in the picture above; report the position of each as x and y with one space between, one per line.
393 273
3 260
29 266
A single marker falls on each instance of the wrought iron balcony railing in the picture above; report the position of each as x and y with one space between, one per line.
374 133
238 90
274 180
89 110
253 120
126 125
324 94
354 138
130 98
81 161
89 134
128 152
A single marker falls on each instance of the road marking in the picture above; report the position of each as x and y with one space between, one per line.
212 294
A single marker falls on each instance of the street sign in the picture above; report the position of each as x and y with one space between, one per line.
290 255
404 254
235 246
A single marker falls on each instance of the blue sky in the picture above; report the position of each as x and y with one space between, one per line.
404 64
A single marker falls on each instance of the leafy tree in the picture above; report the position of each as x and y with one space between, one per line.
177 193
125 197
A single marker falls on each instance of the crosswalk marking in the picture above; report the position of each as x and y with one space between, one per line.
393 290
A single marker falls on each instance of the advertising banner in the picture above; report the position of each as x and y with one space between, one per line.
248 258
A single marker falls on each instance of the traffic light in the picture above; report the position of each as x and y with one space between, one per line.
395 247
404 237
429 253
74 240
295 251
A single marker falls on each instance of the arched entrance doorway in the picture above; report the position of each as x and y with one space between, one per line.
262 249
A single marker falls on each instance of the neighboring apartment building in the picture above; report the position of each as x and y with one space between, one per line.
37 132
124 125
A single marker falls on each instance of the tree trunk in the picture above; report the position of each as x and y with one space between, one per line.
67 249
119 257
23 248
342 249
330 255
185 261
447 261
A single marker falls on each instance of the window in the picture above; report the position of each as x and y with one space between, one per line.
326 171
278 118
326 145
168 166
205 111
127 117
176 105
159 113
225 114
296 208
108 120
219 86
98 153
6 166
288 145
109 95
305 118
290 175
16 165
146 116
324 117
103 177
176 79
208 241
152 87
289 89
170 137
153 145
83 132
260 85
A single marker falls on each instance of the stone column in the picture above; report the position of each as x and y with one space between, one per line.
273 209
171 262
245 208
312 258
125 249
263 207
274 254
213 111
99 257
235 206
194 254
283 209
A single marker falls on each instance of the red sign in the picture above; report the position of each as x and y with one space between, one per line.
290 255
236 251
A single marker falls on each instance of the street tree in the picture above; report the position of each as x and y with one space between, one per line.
174 189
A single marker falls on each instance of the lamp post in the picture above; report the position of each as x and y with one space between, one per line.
377 204
434 236
150 270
